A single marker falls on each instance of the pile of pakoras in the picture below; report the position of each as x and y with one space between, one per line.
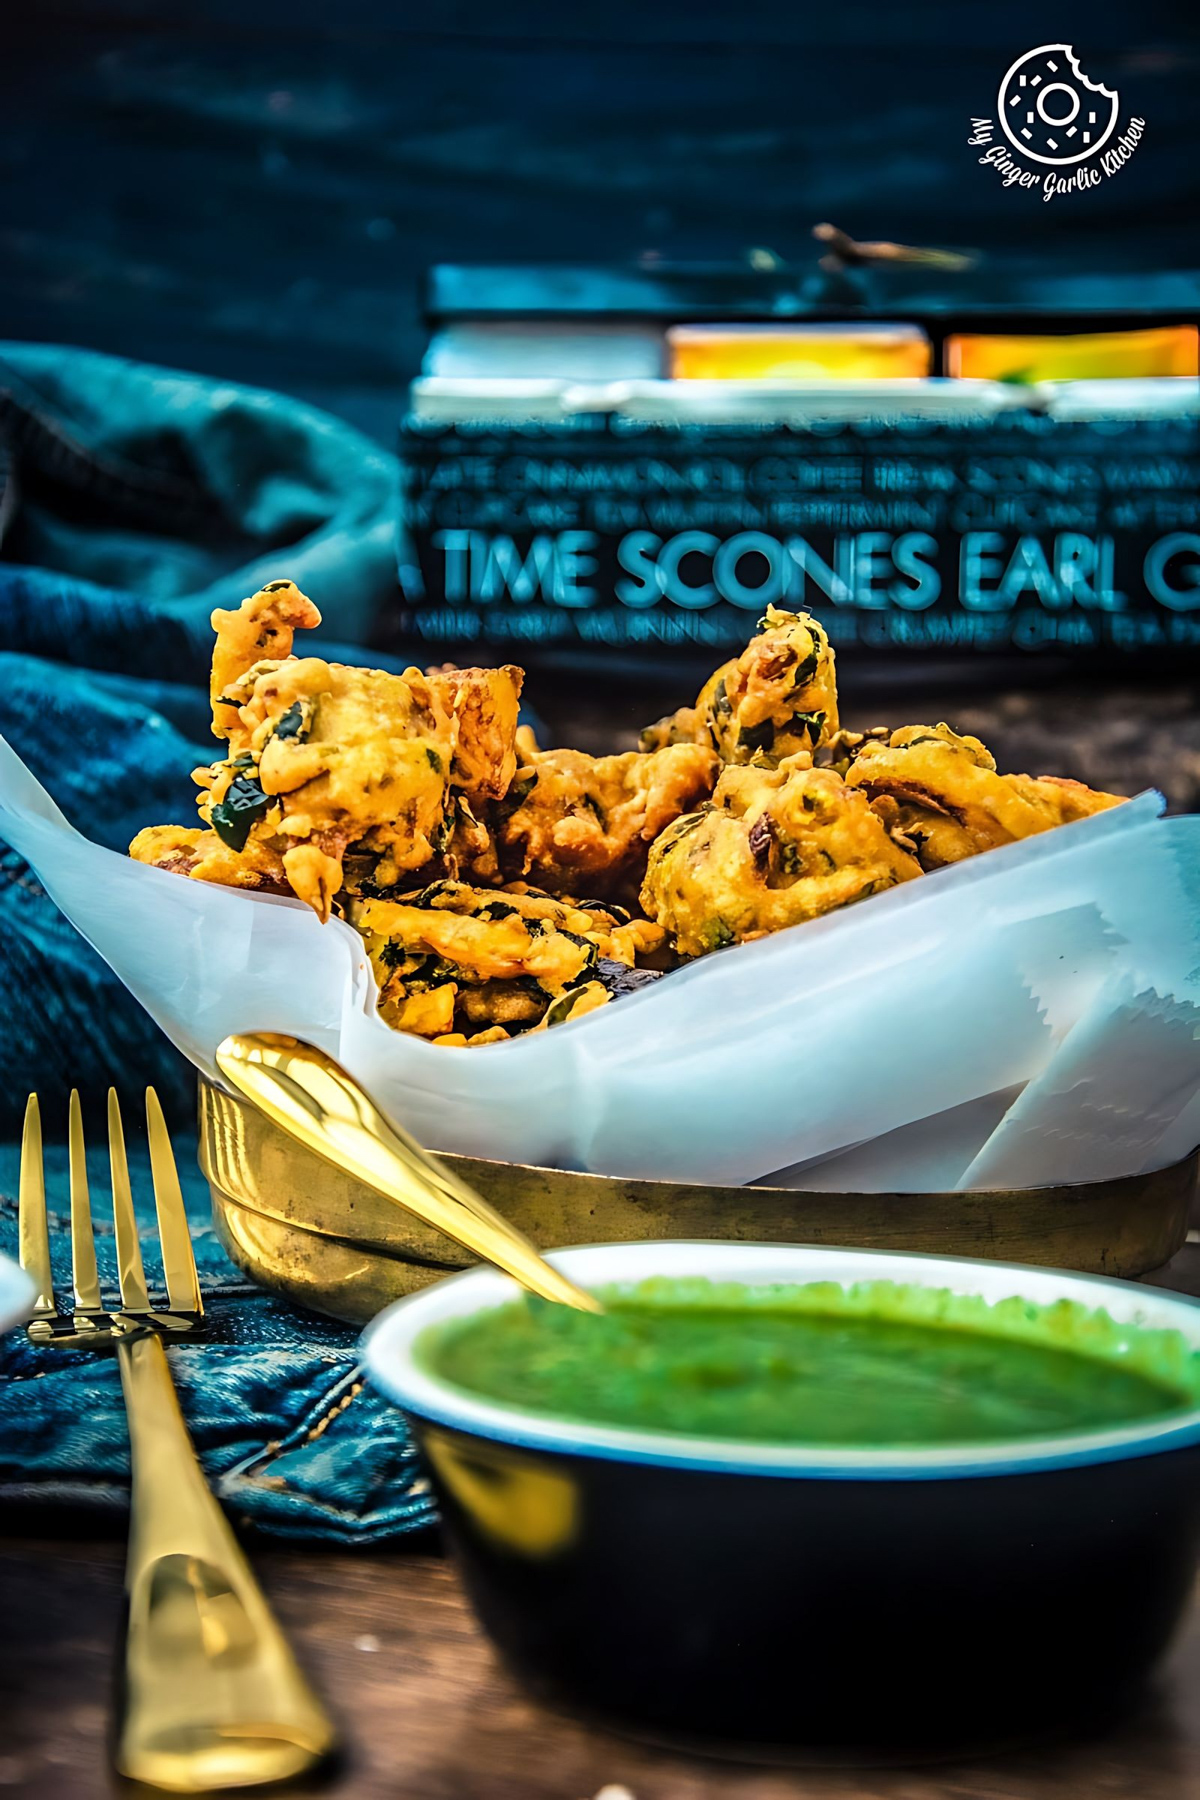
501 888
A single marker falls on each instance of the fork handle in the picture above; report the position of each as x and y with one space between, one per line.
212 1696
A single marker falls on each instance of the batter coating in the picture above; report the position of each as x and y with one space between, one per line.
260 629
472 965
940 791
324 758
584 824
188 850
777 698
482 705
776 847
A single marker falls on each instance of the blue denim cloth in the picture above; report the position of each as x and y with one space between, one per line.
132 501
291 1440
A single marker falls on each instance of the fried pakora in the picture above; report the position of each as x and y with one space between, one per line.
777 846
489 878
940 792
188 850
778 697
324 757
459 964
483 706
584 824
261 629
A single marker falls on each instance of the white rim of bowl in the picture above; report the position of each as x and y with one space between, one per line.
17 1294
390 1341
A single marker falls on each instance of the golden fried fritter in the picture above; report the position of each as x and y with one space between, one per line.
584 824
260 629
1065 799
777 846
451 960
352 784
326 758
482 705
778 697
941 791
322 756
335 756
187 850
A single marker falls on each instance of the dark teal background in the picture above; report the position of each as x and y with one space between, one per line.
252 188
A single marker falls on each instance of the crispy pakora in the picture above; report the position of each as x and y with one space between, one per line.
261 629
490 879
775 699
189 850
941 793
324 758
459 964
483 707
777 846
584 824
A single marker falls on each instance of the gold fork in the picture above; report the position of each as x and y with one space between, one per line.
212 1696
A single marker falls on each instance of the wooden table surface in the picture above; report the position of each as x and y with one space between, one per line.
428 1714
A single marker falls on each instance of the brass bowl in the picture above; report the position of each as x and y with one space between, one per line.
316 1236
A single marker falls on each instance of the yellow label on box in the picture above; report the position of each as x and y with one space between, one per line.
804 353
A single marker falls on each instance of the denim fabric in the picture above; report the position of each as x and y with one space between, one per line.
292 1441
132 501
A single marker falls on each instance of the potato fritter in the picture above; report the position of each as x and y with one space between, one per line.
584 824
942 793
777 698
777 846
454 961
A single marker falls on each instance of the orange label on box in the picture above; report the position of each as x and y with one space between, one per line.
1078 356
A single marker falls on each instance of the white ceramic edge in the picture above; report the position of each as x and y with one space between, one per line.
388 1352
17 1294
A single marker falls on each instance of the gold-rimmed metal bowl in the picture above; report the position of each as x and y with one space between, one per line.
317 1236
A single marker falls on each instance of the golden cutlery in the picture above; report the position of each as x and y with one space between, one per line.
212 1697
313 1099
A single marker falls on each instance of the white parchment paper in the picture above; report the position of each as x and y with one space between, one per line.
1125 1075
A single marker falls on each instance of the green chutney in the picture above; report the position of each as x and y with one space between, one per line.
874 1365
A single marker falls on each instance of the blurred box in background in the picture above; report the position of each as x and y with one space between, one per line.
621 469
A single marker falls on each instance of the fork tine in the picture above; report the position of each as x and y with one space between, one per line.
130 1273
31 1213
179 1262
83 1243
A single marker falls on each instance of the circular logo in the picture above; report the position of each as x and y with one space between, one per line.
1050 111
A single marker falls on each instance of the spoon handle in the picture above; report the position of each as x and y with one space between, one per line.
315 1101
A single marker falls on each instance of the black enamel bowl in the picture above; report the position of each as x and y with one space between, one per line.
783 1602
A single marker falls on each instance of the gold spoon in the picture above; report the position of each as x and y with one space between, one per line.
315 1101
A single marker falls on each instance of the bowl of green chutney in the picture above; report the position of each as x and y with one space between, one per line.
813 1503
